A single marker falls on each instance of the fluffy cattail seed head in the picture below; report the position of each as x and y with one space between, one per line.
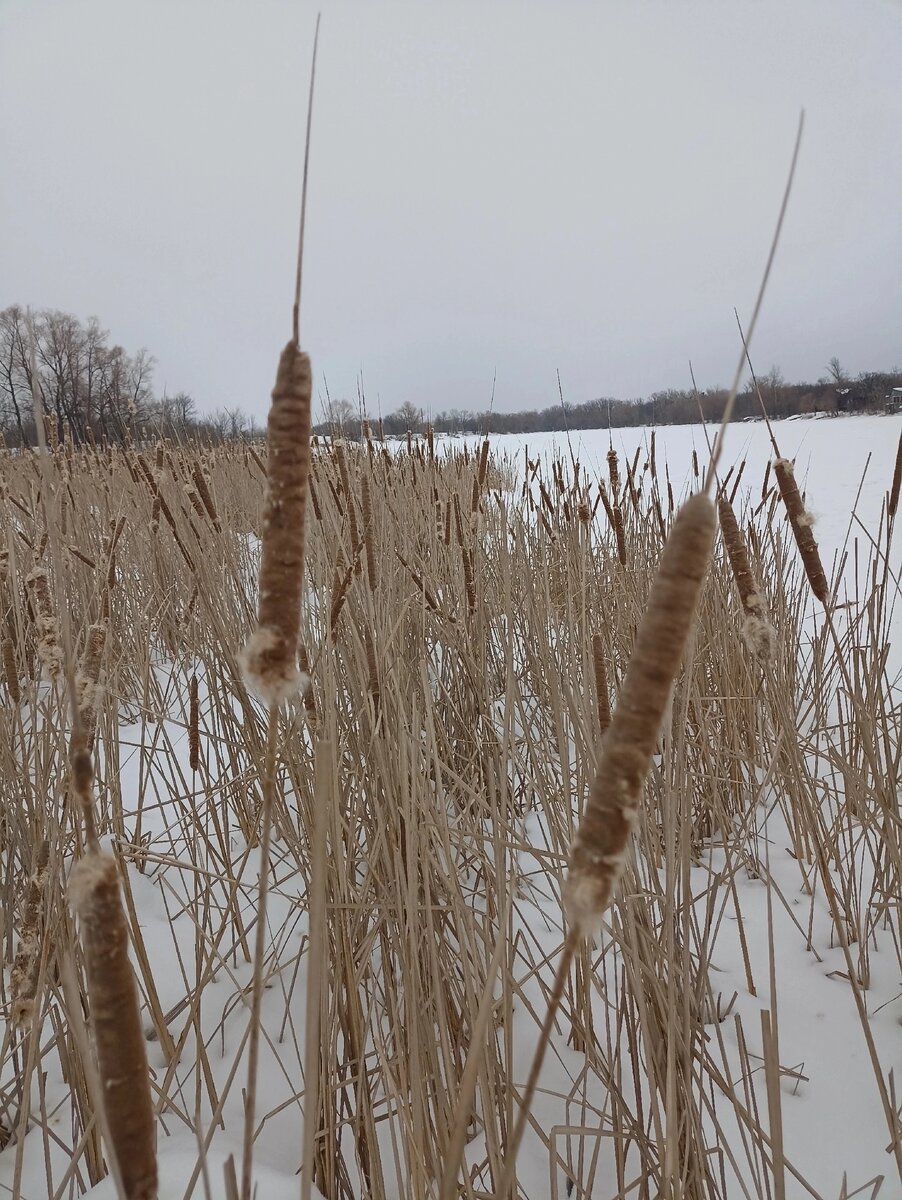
600 845
270 657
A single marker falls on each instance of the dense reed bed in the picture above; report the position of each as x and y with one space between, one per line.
466 629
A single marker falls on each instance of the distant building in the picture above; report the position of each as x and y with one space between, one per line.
894 401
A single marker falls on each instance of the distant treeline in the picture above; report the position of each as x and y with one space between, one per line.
865 393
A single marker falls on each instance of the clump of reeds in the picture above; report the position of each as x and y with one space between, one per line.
757 630
270 657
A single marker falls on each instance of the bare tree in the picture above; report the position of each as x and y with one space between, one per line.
837 372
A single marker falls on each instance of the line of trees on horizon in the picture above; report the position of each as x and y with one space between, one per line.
838 392
94 391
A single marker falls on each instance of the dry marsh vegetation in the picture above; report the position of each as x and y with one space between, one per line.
464 634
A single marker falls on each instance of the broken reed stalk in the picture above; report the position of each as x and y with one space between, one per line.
801 522
612 809
757 631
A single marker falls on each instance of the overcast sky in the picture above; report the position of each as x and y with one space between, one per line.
520 187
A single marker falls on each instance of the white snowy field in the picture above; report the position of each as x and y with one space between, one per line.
842 463
735 1033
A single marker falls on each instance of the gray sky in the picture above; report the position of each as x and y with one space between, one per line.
510 186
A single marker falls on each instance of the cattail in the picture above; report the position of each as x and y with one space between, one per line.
27 963
115 1019
447 537
601 683
193 725
11 670
203 491
756 630
49 652
340 585
662 526
618 534
801 522
87 684
764 485
893 502
599 848
651 457
430 442
694 463
194 498
614 473
270 657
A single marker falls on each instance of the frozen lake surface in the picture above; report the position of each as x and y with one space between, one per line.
834 458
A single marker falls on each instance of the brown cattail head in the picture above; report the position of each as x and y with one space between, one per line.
601 683
49 651
619 535
801 522
87 683
599 848
193 725
270 657
116 1022
203 491
27 963
614 473
893 502
757 630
